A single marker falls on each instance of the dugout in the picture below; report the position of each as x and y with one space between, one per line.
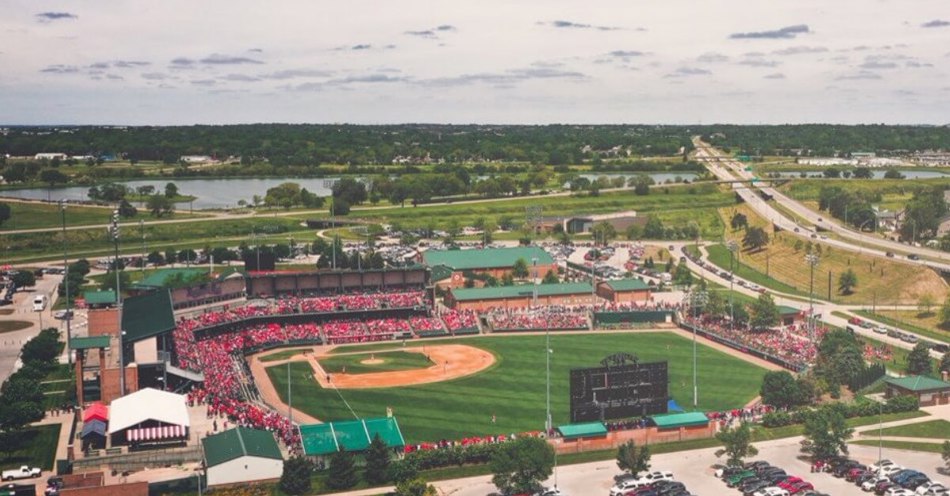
633 317
319 440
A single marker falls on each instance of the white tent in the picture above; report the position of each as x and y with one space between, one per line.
145 405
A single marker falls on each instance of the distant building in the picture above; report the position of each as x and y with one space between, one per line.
50 156
449 266
196 159
624 290
928 391
242 455
521 296
826 161
888 220
621 221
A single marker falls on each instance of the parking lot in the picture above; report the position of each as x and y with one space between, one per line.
695 470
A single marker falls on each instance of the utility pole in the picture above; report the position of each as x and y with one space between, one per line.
812 260
733 246
142 229
114 230
69 312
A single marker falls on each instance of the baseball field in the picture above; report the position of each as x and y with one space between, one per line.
512 389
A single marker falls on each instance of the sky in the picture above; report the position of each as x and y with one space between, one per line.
172 62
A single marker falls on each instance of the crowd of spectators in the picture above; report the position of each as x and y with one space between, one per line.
792 344
456 320
355 302
426 324
537 319
636 306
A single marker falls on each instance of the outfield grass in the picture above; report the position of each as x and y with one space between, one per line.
932 429
904 445
283 355
391 361
513 389
36 448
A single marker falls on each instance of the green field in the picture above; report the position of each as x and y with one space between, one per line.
283 355
932 429
392 360
37 448
513 389
904 445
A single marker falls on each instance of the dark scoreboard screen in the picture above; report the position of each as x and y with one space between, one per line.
619 391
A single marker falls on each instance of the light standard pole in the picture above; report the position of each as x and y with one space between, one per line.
812 260
142 229
114 230
290 398
733 246
69 312
697 300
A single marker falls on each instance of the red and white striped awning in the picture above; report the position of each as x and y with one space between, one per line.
156 433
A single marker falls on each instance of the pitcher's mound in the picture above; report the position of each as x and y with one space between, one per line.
449 361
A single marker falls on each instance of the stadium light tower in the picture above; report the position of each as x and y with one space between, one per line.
697 299
733 246
114 231
812 260
69 312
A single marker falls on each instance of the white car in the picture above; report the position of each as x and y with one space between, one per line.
550 491
889 470
883 463
771 491
880 329
650 478
870 484
899 491
932 489
23 472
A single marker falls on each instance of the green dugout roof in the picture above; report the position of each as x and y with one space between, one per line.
787 310
99 297
88 343
675 420
238 442
147 315
440 273
588 429
487 258
917 383
627 285
522 291
351 435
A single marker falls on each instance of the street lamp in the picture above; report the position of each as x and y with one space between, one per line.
733 246
812 260
697 299
69 313
114 231
142 229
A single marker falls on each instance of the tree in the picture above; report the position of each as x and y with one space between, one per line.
654 228
350 190
925 305
146 190
944 315
739 220
918 360
5 212
840 358
160 205
764 312
376 471
155 258
945 454
283 195
415 487
683 276
108 281
826 432
340 206
603 231
847 281
755 238
779 389
126 209
171 190
521 465
342 471
862 173
633 459
944 363
52 177
295 479
550 278
893 174
24 278
520 268
736 444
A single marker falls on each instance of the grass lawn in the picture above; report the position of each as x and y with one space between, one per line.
37 448
880 279
719 256
932 429
904 445
283 355
391 360
513 389
911 320
40 215
13 325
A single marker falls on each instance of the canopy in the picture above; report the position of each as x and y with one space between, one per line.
588 429
156 433
145 405
96 411
353 435
91 427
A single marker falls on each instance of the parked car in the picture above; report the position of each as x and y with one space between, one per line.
772 491
23 472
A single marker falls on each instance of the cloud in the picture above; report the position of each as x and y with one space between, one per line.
218 59
577 25
367 78
242 78
297 73
99 65
428 33
204 82
626 53
712 58
787 32
446 27
774 75
255 50
798 50
125 64
55 16
154 76
182 62
688 72
432 33
757 62
936 23
862 75
917 65
114 77
874 64
507 78
362 46
60 69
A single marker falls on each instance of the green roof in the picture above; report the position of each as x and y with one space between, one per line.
147 315
674 420
522 291
86 343
917 383
352 435
588 429
99 297
628 285
787 310
158 278
238 442
440 273
487 258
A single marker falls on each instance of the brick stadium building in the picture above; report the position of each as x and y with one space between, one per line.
624 290
478 299
449 266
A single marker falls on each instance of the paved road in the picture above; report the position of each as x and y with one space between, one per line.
11 342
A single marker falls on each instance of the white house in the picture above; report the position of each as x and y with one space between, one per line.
50 156
241 455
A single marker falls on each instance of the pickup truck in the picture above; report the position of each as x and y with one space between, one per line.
23 472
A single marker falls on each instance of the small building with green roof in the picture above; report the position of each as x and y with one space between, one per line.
520 296
624 290
242 455
451 266
98 299
927 390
